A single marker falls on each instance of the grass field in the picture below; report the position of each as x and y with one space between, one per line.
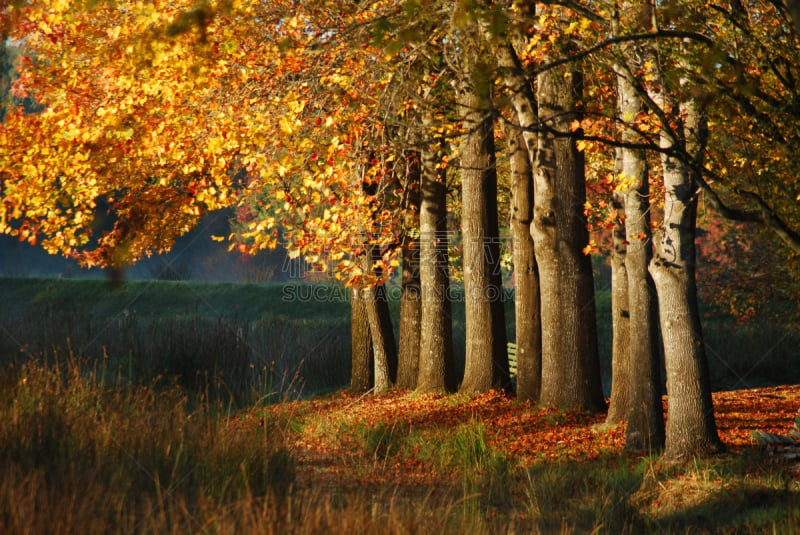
171 407
258 337
251 337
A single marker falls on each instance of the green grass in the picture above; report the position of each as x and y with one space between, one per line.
156 299
259 339
247 341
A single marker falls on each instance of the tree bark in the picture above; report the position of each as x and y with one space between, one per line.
645 415
486 361
436 366
383 344
410 297
620 313
645 431
361 379
691 429
526 275
570 361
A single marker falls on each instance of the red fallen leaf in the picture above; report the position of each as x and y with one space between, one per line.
527 434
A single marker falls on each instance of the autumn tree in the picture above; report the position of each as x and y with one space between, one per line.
691 430
641 372
684 176
570 363
361 355
520 142
428 40
526 274
682 86
123 125
486 364
120 119
411 294
621 377
420 110
647 70
436 366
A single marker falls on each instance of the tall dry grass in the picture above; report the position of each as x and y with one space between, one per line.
80 454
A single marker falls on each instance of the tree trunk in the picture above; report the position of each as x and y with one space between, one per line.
361 379
380 328
410 297
436 366
570 362
486 361
526 275
645 430
620 313
691 428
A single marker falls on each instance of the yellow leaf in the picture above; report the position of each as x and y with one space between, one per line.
286 126
571 28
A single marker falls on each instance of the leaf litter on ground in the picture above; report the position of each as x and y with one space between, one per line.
325 436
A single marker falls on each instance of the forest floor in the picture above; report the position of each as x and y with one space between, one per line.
542 469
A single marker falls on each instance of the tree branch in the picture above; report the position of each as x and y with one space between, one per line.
661 34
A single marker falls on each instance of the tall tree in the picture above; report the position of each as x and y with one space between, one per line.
436 366
383 343
411 293
645 429
362 370
620 311
486 364
526 275
376 303
570 361
691 428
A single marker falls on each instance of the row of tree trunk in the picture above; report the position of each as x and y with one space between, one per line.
557 356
